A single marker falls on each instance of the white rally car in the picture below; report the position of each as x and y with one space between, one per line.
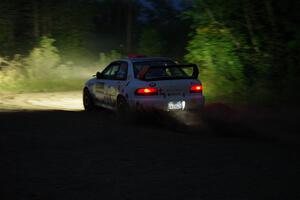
145 83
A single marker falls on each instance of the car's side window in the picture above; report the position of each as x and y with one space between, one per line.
111 71
106 71
116 71
122 72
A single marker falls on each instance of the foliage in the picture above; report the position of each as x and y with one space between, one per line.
244 50
106 58
164 18
43 70
150 43
221 69
42 60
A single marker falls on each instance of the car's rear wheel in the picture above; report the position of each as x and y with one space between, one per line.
122 106
88 102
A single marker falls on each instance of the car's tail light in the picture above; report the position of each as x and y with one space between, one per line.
196 88
146 91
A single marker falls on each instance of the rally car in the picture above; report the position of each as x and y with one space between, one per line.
145 83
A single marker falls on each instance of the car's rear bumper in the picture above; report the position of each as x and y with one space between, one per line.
159 103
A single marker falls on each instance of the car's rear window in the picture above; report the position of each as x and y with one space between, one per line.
162 70
165 73
139 66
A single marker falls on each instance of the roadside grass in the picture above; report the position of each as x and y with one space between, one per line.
43 70
27 86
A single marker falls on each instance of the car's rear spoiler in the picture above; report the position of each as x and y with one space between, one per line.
195 74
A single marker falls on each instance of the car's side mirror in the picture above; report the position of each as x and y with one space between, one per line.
99 75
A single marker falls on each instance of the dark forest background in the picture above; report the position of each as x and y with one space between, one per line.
247 50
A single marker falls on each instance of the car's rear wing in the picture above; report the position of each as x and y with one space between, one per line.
193 75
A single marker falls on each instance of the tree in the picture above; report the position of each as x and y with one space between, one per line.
221 69
7 27
254 38
166 18
150 43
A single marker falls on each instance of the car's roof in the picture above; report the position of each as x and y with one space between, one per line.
145 59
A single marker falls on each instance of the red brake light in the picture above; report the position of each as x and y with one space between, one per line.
196 88
146 91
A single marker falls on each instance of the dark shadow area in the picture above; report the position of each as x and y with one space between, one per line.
214 121
80 155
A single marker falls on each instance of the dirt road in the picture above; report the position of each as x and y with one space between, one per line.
70 101
48 154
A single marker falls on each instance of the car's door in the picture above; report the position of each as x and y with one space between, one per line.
116 82
101 83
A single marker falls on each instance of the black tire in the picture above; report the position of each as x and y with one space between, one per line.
88 102
122 106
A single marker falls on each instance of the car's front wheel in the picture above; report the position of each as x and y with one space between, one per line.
88 102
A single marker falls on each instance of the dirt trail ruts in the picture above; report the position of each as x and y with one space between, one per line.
69 101
277 124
